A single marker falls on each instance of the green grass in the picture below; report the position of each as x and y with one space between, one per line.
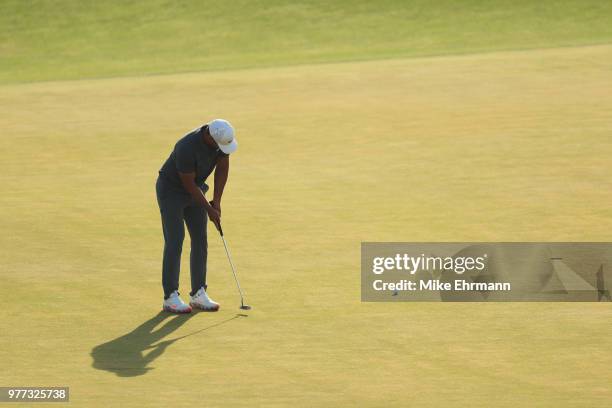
47 40
503 146
498 146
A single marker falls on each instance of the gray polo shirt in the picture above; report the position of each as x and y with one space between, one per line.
190 155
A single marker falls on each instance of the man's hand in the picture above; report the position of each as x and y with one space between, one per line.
217 208
216 205
214 215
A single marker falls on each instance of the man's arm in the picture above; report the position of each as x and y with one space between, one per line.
221 174
188 181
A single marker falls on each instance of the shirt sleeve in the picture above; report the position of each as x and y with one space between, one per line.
185 159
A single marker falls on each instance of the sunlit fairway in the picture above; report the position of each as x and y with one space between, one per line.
69 39
499 146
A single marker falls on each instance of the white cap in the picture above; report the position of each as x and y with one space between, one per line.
223 133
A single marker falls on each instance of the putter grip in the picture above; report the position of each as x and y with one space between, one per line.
220 229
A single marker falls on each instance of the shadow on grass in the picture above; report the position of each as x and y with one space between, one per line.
130 354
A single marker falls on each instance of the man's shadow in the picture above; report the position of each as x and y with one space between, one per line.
130 354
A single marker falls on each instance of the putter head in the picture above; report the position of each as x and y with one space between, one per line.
245 307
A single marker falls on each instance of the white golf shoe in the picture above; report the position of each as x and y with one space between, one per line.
200 300
175 304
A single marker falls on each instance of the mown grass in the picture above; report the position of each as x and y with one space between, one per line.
505 146
502 146
69 39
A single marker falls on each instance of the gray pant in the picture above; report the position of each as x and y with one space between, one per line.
177 209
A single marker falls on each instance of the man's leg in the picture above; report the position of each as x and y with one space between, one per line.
196 218
174 233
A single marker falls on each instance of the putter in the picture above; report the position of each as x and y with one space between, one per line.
242 305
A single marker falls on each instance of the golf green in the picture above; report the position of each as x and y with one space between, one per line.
436 142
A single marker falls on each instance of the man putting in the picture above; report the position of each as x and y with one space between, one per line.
180 194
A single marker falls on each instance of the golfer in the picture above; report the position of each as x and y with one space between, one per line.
181 190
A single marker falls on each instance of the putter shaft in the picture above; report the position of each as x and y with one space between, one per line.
229 257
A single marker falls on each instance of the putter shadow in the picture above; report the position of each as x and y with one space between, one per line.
131 354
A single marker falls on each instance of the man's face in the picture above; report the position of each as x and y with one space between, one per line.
208 139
